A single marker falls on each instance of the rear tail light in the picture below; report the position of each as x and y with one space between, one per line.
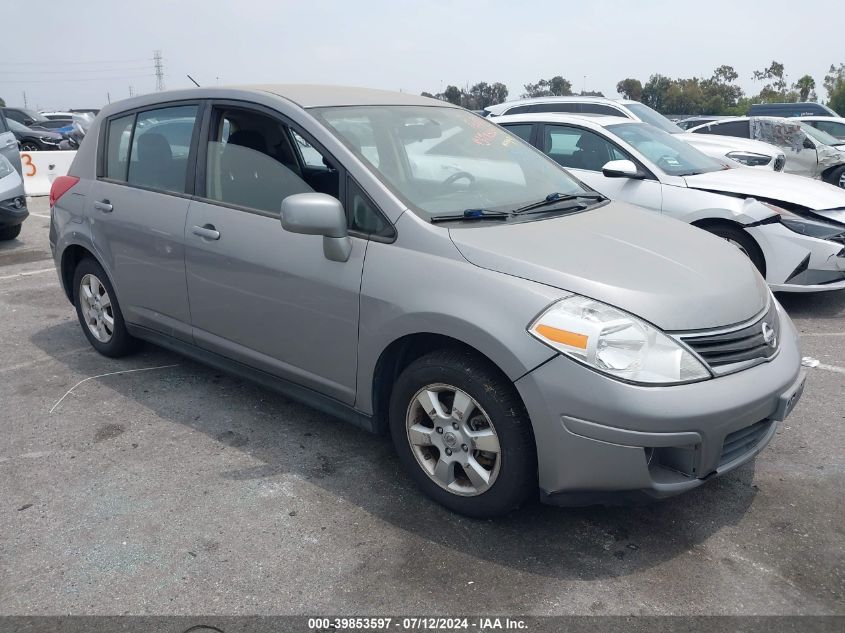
61 186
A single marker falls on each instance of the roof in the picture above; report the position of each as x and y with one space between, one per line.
304 95
499 107
314 95
563 117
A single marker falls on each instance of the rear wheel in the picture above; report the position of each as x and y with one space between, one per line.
741 240
463 434
98 311
10 232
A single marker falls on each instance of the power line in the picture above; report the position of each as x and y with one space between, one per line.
51 81
159 68
55 63
65 72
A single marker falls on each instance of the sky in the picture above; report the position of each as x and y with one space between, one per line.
82 57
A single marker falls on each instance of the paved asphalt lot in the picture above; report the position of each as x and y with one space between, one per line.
184 491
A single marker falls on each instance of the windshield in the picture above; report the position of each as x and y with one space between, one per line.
20 128
672 155
35 116
652 117
443 160
820 135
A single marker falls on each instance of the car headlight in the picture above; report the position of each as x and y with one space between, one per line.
615 343
806 226
6 168
750 159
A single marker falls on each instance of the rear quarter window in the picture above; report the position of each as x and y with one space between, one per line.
117 148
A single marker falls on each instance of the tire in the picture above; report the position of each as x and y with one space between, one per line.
743 241
492 417
30 146
10 232
836 177
96 305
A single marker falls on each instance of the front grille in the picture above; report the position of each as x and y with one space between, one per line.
743 441
780 162
731 349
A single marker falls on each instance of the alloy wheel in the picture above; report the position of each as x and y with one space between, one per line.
97 308
29 147
453 440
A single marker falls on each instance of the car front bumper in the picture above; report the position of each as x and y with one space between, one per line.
600 440
11 215
800 263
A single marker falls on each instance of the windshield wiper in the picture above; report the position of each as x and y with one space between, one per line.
471 214
552 198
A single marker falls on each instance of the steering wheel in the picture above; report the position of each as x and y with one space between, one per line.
667 162
459 175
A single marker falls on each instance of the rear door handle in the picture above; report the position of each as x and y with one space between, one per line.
104 206
208 232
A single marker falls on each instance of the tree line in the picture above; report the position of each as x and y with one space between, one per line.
717 94
482 94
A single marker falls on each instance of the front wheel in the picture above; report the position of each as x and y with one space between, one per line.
30 146
837 177
9 232
743 241
463 434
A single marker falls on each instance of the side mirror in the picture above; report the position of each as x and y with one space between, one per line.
808 144
318 214
622 169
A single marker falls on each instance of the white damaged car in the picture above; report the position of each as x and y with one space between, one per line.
792 228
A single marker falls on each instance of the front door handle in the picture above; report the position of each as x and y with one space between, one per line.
103 205
208 232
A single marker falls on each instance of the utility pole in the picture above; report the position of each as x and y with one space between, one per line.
24 98
159 68
131 92
108 97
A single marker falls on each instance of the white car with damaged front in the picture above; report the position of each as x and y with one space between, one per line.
792 228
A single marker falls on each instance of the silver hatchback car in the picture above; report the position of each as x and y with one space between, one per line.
410 267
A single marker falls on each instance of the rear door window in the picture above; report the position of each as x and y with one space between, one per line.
728 128
598 108
554 107
160 148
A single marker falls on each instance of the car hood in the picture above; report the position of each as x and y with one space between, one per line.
665 271
729 143
755 183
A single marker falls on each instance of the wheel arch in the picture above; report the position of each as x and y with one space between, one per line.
710 223
400 353
71 256
827 174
